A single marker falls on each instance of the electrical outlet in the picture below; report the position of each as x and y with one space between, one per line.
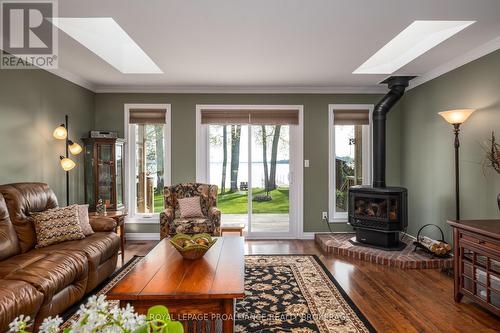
306 163
324 215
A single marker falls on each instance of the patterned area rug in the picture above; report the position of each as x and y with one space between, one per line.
295 294
284 293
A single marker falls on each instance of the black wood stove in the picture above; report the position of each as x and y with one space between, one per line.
378 213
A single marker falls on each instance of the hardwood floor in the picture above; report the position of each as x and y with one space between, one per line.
392 299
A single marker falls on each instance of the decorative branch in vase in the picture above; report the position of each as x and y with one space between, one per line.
492 159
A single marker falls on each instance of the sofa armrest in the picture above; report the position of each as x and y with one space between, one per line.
102 223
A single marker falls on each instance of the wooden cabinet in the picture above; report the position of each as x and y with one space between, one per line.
104 172
477 262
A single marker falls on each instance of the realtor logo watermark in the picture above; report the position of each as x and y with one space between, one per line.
28 39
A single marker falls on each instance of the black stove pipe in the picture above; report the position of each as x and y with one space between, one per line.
397 86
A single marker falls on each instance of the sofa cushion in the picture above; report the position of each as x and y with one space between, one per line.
193 226
98 247
57 225
48 272
21 199
9 245
83 218
16 298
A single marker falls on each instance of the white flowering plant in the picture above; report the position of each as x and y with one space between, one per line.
99 316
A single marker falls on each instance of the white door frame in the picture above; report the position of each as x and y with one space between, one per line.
296 198
130 197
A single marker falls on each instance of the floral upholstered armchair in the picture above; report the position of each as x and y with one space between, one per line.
170 219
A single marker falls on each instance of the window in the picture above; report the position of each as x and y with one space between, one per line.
349 154
148 165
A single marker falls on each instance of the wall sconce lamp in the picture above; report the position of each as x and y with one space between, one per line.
67 164
457 118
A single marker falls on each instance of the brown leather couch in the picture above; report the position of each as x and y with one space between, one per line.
47 281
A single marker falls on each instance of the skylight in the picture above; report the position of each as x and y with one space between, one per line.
104 37
418 38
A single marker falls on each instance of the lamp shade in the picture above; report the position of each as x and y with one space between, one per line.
66 163
458 116
74 148
60 133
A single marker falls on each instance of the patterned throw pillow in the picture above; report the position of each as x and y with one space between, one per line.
83 218
190 207
57 225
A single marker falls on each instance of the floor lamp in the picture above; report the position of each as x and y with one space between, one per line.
457 118
67 164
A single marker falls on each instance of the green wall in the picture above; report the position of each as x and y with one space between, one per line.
32 104
109 115
420 151
427 154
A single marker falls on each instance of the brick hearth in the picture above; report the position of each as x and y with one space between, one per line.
339 244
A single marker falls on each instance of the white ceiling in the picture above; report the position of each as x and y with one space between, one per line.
271 45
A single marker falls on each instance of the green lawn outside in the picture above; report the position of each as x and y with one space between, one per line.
158 203
236 203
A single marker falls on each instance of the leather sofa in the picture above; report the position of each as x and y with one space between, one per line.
47 281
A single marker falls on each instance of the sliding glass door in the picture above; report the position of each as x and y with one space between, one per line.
270 186
251 166
228 168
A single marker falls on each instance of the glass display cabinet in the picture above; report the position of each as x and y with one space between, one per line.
104 172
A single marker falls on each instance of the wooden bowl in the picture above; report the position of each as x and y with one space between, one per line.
192 251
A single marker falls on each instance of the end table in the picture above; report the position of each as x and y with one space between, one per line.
119 217
232 227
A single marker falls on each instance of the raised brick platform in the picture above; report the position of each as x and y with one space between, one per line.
339 244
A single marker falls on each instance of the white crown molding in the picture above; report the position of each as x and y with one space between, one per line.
69 76
470 56
461 60
241 90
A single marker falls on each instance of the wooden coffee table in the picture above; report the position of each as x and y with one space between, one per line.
194 290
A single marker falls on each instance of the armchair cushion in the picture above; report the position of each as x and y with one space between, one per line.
193 226
102 223
190 207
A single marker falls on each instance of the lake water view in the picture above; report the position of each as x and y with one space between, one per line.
282 173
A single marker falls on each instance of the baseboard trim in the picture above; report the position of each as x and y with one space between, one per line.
141 236
408 235
311 235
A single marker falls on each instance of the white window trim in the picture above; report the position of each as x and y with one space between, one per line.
296 168
130 199
334 217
